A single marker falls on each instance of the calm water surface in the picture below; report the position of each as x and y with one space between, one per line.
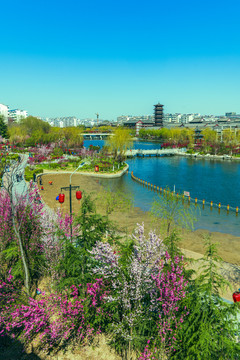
212 180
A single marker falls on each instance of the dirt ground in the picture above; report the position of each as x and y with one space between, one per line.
191 241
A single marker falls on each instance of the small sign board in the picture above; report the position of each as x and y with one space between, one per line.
186 193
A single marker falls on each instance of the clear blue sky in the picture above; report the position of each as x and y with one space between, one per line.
60 58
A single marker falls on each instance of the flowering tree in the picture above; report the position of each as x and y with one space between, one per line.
21 229
57 232
55 320
146 290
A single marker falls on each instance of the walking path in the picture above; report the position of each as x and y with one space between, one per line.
14 175
21 186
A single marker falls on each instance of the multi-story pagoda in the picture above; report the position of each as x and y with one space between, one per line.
158 115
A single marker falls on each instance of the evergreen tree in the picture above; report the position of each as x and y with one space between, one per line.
3 128
76 261
211 328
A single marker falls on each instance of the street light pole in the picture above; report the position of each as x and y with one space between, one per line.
70 188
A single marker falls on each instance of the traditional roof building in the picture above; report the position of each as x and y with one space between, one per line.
158 115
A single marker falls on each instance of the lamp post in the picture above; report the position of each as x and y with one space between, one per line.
70 188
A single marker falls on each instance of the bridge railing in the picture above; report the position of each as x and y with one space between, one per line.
134 152
183 197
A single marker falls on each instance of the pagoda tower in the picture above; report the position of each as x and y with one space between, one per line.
158 115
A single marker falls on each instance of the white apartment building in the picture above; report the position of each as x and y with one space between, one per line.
4 112
17 114
175 118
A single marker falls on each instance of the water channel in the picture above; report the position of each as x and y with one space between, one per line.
212 180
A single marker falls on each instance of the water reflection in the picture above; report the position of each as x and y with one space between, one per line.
212 180
200 178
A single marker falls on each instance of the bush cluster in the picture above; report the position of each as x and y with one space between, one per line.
135 290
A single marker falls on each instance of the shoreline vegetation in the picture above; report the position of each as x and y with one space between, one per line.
190 241
208 156
116 174
91 185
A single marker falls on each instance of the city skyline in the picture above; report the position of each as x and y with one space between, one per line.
119 59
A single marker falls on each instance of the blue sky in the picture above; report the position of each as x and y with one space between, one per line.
77 58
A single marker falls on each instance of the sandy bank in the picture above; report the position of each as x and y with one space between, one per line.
192 241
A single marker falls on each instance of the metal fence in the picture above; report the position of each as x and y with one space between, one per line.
184 197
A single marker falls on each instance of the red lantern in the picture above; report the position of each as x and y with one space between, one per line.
96 168
61 198
78 195
236 296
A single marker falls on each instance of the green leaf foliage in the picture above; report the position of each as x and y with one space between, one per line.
173 212
76 262
93 226
3 128
210 330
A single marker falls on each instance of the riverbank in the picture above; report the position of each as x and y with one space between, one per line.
208 156
229 245
115 174
126 221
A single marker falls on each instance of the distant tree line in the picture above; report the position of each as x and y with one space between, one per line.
207 141
32 130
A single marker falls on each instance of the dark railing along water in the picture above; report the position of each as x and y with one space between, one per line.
206 179
185 196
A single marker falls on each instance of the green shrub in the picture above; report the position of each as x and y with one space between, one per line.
29 173
53 166
190 151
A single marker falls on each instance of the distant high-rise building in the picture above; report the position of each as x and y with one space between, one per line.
158 115
17 114
230 114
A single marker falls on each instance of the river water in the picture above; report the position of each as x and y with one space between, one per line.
212 180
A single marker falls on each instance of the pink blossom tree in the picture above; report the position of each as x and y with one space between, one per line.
148 284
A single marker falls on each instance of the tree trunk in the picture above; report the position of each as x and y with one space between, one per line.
23 255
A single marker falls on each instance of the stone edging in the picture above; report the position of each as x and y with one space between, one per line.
108 176
208 157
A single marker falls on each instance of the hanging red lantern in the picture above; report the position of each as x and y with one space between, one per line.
61 198
96 168
78 195
236 296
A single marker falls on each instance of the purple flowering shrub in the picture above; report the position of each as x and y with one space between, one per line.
42 231
26 212
57 231
147 290
10 292
56 320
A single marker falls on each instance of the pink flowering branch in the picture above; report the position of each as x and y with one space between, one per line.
57 320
